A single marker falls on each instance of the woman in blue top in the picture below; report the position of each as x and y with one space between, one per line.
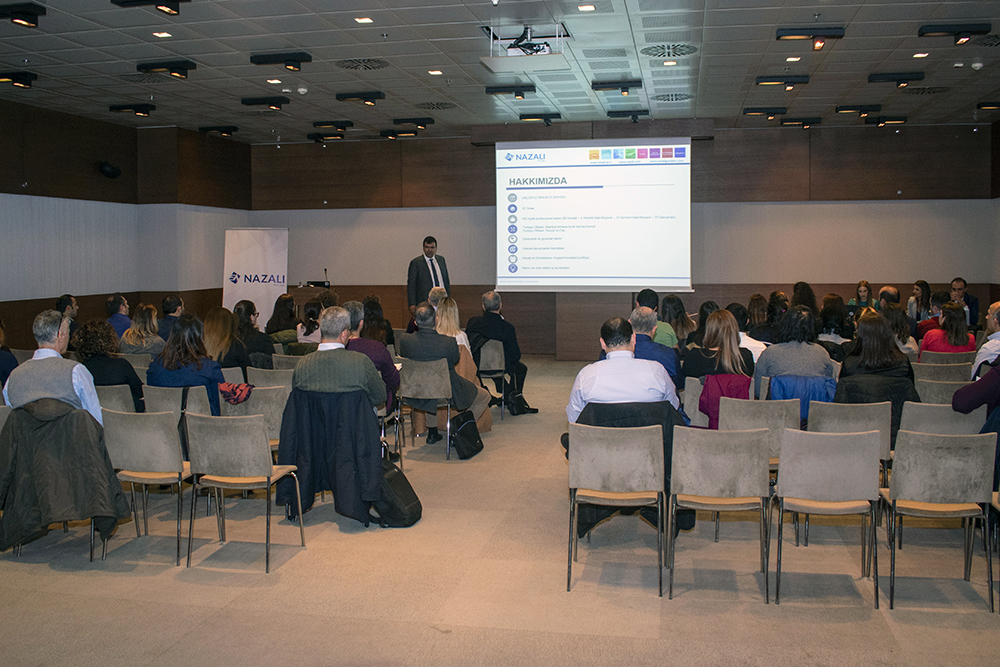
184 362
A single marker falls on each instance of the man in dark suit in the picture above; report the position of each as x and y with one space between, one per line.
890 294
426 344
492 326
970 302
426 271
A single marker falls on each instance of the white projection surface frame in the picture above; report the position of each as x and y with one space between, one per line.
595 216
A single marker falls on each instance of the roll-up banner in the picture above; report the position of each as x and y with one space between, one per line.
255 268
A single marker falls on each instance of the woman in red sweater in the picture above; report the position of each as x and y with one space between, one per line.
954 335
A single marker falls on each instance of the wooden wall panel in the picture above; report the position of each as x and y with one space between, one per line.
158 165
579 316
447 172
214 171
751 165
995 159
665 128
487 135
349 175
943 162
12 148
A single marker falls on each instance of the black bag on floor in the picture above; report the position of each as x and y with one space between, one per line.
397 504
465 436
516 405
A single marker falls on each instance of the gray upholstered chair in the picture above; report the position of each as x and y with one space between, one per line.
427 380
233 453
279 348
22 355
197 401
942 372
233 375
620 467
765 387
933 391
493 364
141 373
265 377
947 357
164 399
146 449
776 416
4 413
692 397
854 418
285 361
140 360
719 471
942 476
116 397
266 401
941 419
302 349
830 473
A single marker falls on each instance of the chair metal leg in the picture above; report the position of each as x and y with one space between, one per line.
447 437
873 558
222 511
969 542
805 542
17 550
194 502
91 540
145 509
763 565
65 526
795 522
673 546
766 515
660 511
777 573
899 532
104 548
989 557
864 548
892 555
716 525
135 510
267 538
180 512
214 491
572 539
298 502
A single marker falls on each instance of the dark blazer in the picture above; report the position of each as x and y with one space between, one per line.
492 326
419 281
428 345
111 371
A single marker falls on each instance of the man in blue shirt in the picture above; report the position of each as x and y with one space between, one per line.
117 307
643 321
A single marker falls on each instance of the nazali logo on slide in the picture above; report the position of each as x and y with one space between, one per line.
234 278
525 157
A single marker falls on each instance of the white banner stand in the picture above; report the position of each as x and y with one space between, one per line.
255 268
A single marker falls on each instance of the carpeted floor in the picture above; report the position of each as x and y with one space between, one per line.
481 580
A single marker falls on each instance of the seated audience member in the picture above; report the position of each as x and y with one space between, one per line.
833 325
374 350
877 351
675 324
142 336
221 342
184 362
117 307
8 361
492 326
969 303
863 297
283 319
896 318
991 347
66 304
742 316
757 307
918 306
794 351
328 298
890 294
644 325
938 299
307 331
376 327
954 335
426 344
697 336
837 301
777 306
721 354
172 307
434 297
259 345
95 343
803 295
620 378
984 391
48 375
648 298
448 322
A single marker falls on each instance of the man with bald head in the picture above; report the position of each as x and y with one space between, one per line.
991 347
643 321
492 326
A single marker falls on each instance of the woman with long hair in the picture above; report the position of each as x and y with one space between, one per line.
184 361
255 341
95 342
795 351
895 316
803 295
143 335
777 306
308 330
283 317
221 342
863 297
918 306
757 307
953 336
376 326
448 322
876 351
675 324
721 353
697 336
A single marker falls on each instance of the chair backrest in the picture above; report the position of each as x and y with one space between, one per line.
197 401
491 358
941 419
229 446
116 397
302 349
942 372
722 385
829 467
266 401
22 355
164 399
233 375
619 460
765 387
4 413
854 418
692 399
141 372
933 391
425 379
933 468
947 357
279 348
285 361
263 377
138 360
726 464
145 442
736 414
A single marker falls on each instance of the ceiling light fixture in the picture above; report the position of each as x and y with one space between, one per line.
901 79
175 68
363 19
23 13
586 8
861 109
920 55
396 134
669 63
368 98
274 80
770 112
805 123
792 59
138 109
18 79
988 105
273 103
622 86
517 91
435 72
634 115
221 130
169 7
291 61
338 125
545 118
161 35
322 137
817 35
961 32
882 121
789 81
419 123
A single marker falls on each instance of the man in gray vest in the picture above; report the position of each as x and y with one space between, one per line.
48 375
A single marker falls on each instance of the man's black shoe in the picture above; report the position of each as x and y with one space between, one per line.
393 456
494 401
433 436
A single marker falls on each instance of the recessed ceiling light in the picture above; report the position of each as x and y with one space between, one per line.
669 63
274 80
364 19
792 59
586 8
435 72
162 34
920 55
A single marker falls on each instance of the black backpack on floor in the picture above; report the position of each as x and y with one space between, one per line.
397 504
465 436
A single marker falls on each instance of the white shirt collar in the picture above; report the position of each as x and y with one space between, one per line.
45 353
620 354
329 346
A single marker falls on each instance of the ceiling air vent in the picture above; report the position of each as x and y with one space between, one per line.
362 63
605 53
925 90
673 97
145 78
987 40
435 106
669 50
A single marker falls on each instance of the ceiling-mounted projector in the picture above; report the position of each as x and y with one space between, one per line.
523 46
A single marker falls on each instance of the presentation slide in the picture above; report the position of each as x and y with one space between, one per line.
595 216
